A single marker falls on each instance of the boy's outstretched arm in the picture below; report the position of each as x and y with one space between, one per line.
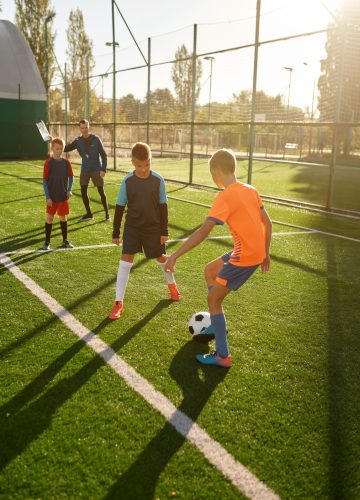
265 265
195 239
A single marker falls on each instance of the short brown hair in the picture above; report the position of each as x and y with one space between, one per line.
141 151
224 160
58 140
84 122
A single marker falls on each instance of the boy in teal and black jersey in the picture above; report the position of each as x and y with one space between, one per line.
146 226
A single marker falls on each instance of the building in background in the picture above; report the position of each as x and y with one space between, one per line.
22 97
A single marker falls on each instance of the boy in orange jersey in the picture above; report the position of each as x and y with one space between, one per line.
240 207
58 179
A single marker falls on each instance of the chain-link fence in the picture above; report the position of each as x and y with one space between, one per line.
270 94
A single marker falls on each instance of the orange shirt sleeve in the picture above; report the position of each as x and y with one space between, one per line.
46 170
219 211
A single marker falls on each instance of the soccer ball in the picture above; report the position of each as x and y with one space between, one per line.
199 322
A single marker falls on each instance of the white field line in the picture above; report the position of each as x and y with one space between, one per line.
233 470
310 229
109 245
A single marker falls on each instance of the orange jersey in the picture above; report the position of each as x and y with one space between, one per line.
239 207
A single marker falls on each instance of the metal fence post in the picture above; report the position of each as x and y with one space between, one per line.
193 103
253 100
335 145
66 106
87 104
114 81
148 95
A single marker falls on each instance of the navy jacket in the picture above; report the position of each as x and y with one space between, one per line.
95 159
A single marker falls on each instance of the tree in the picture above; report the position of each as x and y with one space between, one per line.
30 18
181 74
343 48
162 105
81 61
130 108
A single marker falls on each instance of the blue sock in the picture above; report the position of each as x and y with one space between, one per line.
218 322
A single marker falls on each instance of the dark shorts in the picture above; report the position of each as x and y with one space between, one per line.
233 277
60 207
95 176
142 240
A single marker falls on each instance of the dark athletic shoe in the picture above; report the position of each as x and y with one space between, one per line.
86 217
45 247
66 244
107 218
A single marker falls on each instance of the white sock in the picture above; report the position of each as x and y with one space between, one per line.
122 279
168 275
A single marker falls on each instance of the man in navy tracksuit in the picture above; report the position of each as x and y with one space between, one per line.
93 166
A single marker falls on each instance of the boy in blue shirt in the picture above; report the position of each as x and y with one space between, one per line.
93 166
146 225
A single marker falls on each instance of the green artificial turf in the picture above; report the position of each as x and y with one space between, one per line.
288 409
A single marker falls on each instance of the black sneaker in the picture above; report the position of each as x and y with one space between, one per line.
66 244
86 217
107 218
46 246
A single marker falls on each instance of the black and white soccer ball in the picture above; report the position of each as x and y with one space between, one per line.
199 322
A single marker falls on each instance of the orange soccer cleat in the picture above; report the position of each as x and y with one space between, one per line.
117 310
174 292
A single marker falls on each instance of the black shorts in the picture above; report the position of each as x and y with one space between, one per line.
143 240
95 176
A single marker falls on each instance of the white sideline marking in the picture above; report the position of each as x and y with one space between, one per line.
233 470
108 245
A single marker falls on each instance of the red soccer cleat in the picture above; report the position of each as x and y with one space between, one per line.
174 292
116 310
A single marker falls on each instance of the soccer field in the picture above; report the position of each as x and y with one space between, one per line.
296 181
104 416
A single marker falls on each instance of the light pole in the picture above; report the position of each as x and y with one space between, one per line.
211 59
47 20
290 70
113 44
312 110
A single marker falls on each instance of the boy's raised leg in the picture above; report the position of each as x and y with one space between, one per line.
169 276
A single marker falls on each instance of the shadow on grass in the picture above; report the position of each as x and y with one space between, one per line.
37 235
343 377
197 384
29 413
8 202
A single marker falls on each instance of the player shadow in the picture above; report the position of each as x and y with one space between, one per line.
343 376
40 328
37 236
29 413
197 384
21 199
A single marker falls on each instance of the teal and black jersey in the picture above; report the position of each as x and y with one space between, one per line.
146 203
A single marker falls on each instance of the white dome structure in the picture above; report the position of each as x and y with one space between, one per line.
22 96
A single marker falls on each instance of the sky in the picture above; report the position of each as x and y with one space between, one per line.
221 24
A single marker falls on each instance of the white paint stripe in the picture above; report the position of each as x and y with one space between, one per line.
233 470
109 245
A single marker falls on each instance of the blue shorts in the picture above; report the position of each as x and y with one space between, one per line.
233 277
